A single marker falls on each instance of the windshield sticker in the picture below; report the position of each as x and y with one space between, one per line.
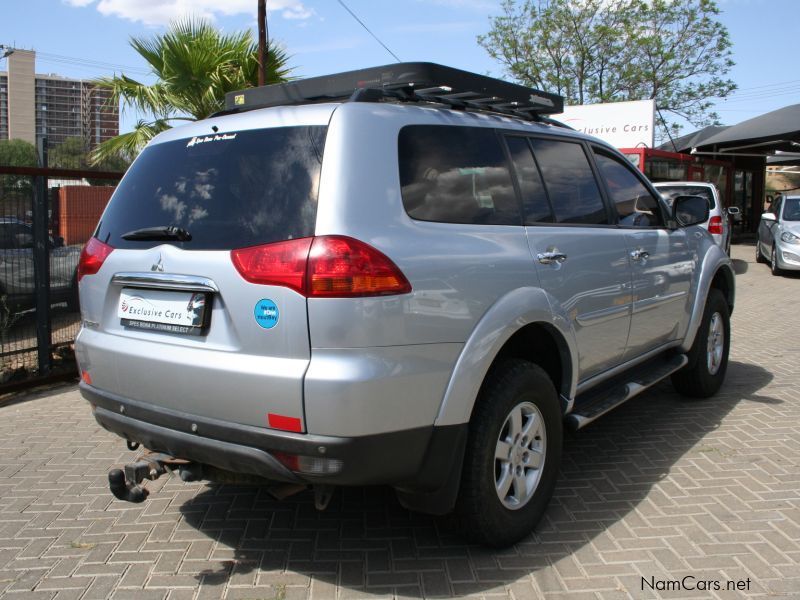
266 313
210 138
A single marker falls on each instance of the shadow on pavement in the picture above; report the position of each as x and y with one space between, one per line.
365 541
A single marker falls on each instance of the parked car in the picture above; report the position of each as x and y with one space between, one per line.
718 224
17 272
395 286
779 235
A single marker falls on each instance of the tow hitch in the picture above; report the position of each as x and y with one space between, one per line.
124 483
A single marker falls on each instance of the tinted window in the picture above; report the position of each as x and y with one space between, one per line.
228 191
570 182
791 209
456 175
635 205
15 235
535 206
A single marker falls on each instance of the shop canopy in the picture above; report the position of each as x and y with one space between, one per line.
776 131
685 143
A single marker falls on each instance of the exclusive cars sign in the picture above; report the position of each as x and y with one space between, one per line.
621 124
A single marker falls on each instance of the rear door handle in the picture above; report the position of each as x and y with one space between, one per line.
550 257
640 254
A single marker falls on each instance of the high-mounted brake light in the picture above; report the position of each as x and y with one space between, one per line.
715 225
93 256
322 267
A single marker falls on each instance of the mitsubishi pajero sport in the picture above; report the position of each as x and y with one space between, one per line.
406 275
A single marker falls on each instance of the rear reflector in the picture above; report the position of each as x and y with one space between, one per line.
93 256
284 423
715 225
329 266
86 377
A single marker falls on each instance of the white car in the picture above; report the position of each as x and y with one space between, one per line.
718 224
779 235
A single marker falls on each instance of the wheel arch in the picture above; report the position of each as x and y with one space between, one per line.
519 325
717 273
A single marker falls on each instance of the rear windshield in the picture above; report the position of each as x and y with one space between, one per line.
672 192
226 190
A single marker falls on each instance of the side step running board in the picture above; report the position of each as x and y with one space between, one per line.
594 404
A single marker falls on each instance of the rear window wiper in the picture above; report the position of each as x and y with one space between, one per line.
166 232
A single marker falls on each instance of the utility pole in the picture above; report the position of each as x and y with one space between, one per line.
262 42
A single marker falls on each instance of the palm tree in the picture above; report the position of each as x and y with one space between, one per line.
195 65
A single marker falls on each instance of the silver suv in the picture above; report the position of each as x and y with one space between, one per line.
405 276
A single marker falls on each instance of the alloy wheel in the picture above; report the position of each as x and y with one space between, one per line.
519 455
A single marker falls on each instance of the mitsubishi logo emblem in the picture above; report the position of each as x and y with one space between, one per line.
158 266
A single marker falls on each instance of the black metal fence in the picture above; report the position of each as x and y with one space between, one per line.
46 216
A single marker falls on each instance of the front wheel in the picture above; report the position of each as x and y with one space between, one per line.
512 456
708 358
759 257
773 262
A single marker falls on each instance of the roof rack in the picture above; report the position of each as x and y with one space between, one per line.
405 82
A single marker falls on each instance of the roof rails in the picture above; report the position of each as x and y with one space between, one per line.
405 82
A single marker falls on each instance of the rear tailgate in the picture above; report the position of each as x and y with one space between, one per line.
169 320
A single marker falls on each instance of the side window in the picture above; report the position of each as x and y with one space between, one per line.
570 182
635 204
456 175
535 206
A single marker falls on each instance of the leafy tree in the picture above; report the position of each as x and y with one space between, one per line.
13 188
672 51
18 153
195 65
72 154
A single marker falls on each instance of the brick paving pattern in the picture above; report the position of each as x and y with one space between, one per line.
660 490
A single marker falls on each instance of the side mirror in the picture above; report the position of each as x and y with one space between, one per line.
768 216
735 213
58 242
690 210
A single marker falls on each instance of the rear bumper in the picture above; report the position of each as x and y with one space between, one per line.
418 459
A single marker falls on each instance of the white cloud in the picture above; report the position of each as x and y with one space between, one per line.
161 12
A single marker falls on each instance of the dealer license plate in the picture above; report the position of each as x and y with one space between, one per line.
164 310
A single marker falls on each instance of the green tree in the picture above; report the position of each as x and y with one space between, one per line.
672 51
195 66
72 154
13 188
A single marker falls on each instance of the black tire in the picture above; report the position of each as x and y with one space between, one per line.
699 379
759 257
773 262
481 515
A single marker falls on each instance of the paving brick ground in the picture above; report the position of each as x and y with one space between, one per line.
660 490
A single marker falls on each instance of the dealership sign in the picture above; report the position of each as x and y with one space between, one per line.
621 124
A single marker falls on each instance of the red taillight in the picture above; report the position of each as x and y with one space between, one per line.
282 263
715 225
322 267
93 256
340 266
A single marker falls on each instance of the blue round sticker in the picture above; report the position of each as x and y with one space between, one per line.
266 313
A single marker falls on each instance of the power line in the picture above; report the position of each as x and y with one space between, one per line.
368 31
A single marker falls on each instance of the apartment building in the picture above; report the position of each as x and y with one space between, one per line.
33 106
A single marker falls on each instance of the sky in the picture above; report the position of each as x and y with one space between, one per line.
89 38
